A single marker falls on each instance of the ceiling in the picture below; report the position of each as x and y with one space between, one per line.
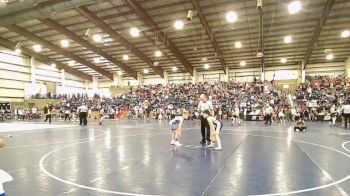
186 48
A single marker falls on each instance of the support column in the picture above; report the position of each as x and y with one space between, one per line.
140 78
63 80
118 80
166 78
262 75
32 70
347 67
87 85
226 78
194 77
115 80
95 84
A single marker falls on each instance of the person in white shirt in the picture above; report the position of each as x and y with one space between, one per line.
333 112
175 126
4 177
215 128
34 111
235 116
203 105
346 113
83 112
282 117
103 115
268 114
67 114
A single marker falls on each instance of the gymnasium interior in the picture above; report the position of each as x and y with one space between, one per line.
174 97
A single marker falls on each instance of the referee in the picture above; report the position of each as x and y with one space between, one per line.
82 111
203 105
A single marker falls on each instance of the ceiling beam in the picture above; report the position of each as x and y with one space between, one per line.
12 46
119 38
32 37
209 32
317 31
71 35
149 22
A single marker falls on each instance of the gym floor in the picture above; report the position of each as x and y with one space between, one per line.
135 158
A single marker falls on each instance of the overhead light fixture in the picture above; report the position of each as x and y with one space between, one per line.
242 63
53 65
283 60
231 16
189 15
64 43
135 32
18 51
206 66
97 38
120 73
288 39
125 57
37 47
294 7
179 25
238 45
174 68
329 56
345 33
145 71
87 33
156 63
158 53
97 60
71 63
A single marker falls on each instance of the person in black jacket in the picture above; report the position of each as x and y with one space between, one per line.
48 112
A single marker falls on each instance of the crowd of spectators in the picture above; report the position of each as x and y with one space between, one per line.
319 96
323 96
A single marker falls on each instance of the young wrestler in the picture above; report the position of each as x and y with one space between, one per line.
300 124
103 115
176 127
215 128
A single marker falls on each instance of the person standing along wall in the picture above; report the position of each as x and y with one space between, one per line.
48 112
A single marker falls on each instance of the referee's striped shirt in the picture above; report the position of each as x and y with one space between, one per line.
205 106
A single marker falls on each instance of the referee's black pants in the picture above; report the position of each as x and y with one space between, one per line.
82 118
205 125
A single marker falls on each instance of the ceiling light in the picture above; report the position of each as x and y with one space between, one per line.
97 38
71 63
287 39
179 25
145 71
283 60
330 56
37 48
238 45
174 68
135 32
158 53
120 73
294 7
97 60
206 66
242 63
18 51
231 16
53 65
345 33
64 43
125 57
